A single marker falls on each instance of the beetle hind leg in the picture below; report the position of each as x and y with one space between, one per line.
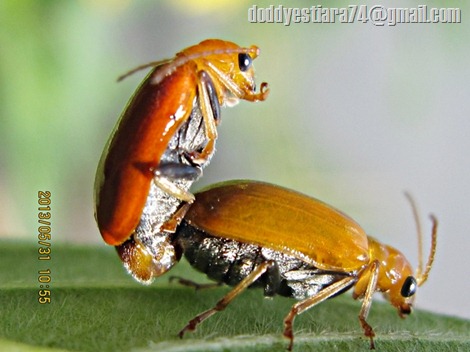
171 188
178 171
167 173
189 283
229 297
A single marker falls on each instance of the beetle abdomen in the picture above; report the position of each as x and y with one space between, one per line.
230 261
221 259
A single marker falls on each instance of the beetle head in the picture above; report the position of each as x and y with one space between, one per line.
228 64
401 284
231 68
398 282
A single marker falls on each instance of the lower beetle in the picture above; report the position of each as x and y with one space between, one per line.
253 234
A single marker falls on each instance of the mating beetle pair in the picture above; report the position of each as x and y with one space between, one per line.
242 233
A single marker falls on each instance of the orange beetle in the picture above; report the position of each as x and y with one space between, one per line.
167 133
248 234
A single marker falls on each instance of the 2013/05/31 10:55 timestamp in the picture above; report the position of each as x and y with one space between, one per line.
44 245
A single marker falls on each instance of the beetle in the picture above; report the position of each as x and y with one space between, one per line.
254 234
163 139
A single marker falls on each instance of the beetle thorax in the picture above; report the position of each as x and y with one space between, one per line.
394 267
393 272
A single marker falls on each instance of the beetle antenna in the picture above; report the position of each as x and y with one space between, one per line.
142 67
181 60
424 276
419 232
421 276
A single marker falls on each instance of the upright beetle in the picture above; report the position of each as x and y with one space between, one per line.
164 138
253 234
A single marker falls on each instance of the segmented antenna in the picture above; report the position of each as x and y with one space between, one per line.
142 67
181 60
421 276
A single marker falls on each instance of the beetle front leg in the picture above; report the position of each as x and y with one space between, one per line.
239 92
367 301
229 297
309 302
210 110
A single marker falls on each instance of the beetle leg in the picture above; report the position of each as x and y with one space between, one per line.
211 94
195 285
240 93
170 188
210 110
178 171
309 302
224 302
168 172
367 301
172 223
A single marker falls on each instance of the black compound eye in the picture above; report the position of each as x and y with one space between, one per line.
244 62
409 287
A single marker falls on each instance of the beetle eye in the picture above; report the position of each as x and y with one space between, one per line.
409 287
244 62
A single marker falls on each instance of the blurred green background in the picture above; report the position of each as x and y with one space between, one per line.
357 114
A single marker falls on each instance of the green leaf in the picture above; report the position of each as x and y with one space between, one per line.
96 306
